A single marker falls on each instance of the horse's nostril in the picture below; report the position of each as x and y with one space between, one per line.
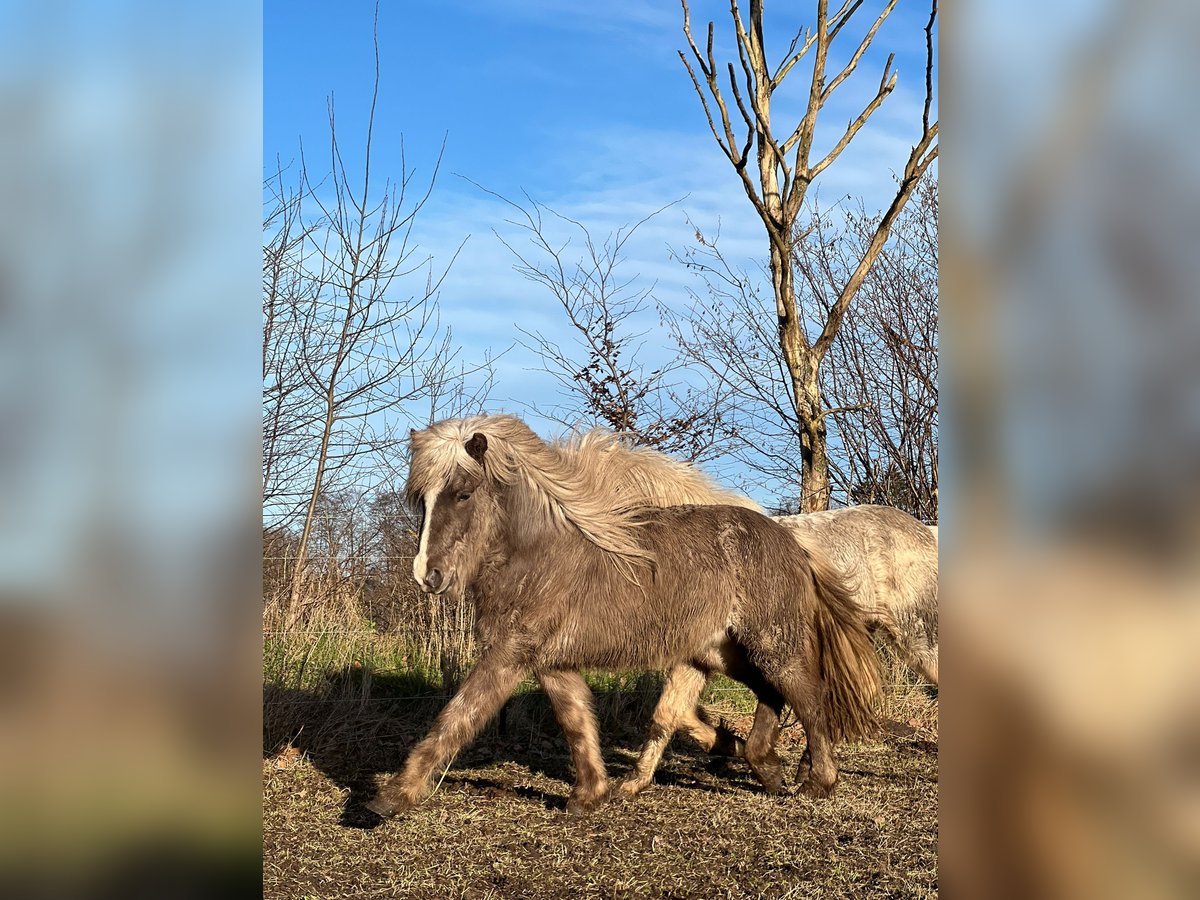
433 579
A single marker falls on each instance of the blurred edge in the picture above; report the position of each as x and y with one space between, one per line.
130 178
1072 441
128 601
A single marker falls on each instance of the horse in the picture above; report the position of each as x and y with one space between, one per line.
563 578
889 558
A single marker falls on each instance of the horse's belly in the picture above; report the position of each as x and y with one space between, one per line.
640 641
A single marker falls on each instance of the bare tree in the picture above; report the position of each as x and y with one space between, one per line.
352 342
290 411
880 375
362 342
601 371
784 168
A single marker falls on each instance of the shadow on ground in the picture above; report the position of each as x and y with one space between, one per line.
358 727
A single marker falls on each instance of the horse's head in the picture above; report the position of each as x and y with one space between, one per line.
456 517
515 495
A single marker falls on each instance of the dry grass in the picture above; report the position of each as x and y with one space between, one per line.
497 825
354 675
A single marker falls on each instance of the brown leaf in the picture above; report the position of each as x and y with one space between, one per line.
287 757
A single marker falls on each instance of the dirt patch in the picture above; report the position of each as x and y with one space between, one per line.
497 826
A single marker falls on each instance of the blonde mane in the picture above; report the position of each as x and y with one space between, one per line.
550 487
640 476
594 481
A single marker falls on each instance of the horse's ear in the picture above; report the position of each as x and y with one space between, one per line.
477 446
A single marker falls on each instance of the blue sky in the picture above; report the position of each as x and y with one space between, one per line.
584 106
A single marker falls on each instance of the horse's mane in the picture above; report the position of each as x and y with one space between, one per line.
640 476
551 487
595 481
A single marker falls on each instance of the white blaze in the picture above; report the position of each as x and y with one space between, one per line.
422 557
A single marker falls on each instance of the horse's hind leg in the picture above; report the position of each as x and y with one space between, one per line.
760 743
679 697
572 701
717 740
759 747
817 773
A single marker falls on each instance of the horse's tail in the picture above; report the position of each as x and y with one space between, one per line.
848 664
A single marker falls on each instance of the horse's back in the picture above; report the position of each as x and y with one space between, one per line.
741 535
743 554
889 557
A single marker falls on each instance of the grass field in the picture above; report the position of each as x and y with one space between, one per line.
497 825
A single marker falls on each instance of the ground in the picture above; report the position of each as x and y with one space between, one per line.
497 825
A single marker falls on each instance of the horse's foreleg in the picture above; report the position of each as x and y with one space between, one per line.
572 701
760 744
483 693
679 697
912 641
914 646
926 662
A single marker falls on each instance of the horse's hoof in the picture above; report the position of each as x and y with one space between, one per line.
774 788
728 744
770 777
815 790
382 808
386 807
804 768
627 789
581 805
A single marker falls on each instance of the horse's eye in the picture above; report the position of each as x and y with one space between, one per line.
463 496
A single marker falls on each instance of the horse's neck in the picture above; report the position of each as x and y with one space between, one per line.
518 560
526 526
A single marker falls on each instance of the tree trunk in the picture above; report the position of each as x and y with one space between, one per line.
814 453
802 366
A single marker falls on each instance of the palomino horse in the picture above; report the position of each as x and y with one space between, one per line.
563 579
889 558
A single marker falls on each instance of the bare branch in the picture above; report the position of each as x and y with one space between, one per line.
928 66
838 410
842 16
886 86
858 54
789 61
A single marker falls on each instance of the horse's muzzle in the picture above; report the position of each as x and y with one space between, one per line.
435 581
